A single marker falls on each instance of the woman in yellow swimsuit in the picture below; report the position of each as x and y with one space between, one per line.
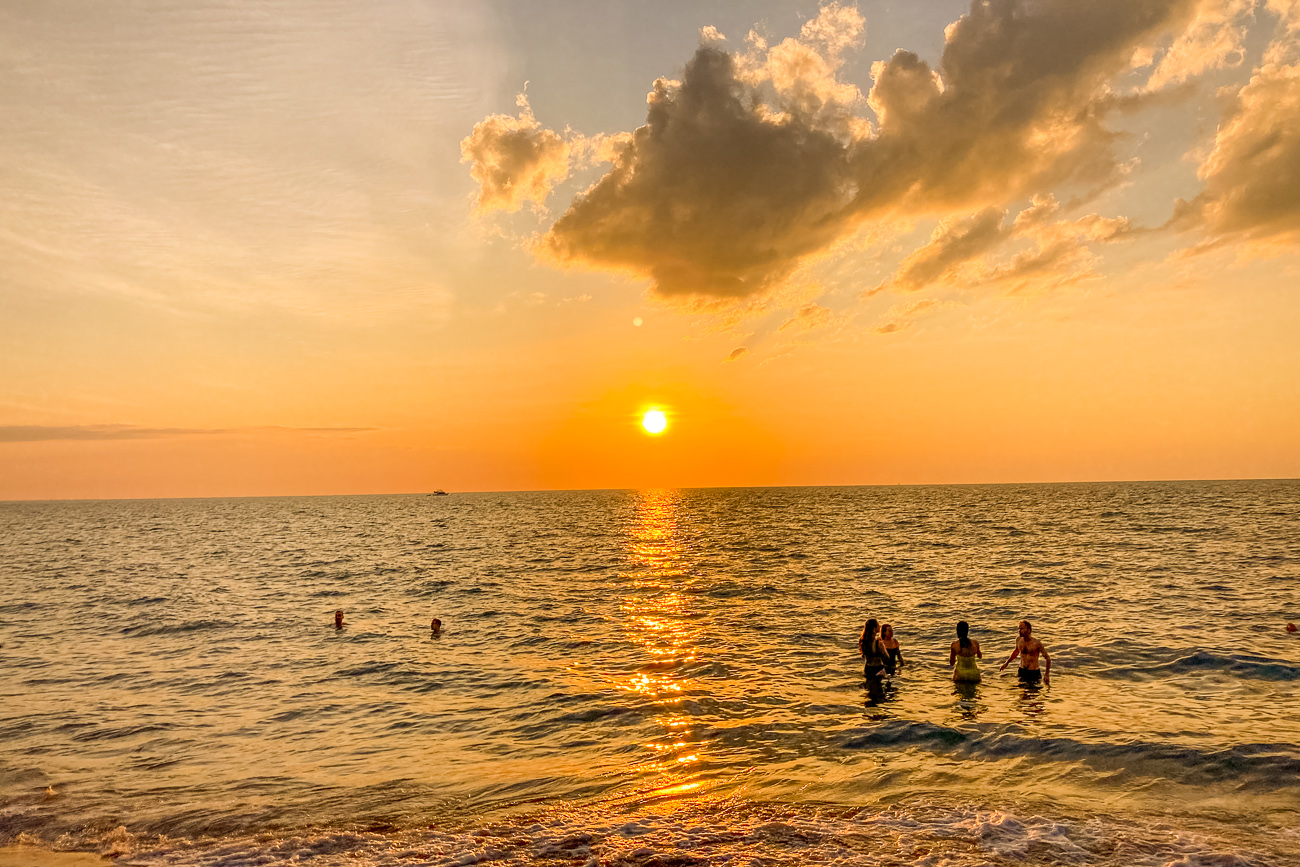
964 652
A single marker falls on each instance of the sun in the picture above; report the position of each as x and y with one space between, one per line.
654 421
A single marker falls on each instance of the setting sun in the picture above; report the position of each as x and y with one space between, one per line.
654 421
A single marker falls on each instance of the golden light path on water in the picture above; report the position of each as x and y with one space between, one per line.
656 616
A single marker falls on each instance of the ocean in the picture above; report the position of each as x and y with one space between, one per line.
655 678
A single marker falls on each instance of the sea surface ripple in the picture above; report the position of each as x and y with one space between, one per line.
633 677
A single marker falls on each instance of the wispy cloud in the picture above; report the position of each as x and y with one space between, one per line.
968 252
903 316
807 318
46 433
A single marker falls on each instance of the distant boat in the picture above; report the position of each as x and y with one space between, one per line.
439 493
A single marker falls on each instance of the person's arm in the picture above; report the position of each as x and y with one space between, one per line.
978 654
952 653
1013 655
900 656
1047 669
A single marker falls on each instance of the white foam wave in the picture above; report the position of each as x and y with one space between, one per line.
726 831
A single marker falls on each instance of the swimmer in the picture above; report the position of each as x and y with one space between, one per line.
895 660
1290 627
964 651
338 619
435 627
873 659
1029 649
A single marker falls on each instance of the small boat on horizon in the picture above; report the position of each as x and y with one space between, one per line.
439 493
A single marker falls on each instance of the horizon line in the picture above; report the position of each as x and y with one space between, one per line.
648 488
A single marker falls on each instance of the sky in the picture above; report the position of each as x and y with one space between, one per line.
326 247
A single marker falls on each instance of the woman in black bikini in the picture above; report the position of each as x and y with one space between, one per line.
895 660
874 656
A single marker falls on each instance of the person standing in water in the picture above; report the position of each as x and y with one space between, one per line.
873 659
895 660
964 651
1029 649
338 619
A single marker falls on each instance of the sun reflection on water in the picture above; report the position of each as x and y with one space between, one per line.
658 616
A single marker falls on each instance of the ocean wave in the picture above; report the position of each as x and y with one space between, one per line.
664 829
149 630
1202 662
1261 766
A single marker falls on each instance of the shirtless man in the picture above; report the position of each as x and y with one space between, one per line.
1029 649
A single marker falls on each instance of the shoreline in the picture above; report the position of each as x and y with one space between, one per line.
35 856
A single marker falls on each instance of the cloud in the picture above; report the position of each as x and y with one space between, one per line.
964 252
514 159
1215 39
733 179
1016 106
758 161
1252 174
21 433
807 318
953 243
736 354
903 316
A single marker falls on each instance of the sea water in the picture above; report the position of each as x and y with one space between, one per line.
654 677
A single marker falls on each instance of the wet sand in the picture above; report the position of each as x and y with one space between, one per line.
30 856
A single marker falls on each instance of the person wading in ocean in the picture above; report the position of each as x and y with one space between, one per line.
873 660
963 652
338 619
1029 649
890 643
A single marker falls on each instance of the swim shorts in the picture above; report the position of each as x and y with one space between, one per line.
1030 675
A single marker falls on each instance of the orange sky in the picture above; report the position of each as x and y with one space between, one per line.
335 250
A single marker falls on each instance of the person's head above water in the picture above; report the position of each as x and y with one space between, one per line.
963 633
1026 629
887 632
436 626
338 619
869 630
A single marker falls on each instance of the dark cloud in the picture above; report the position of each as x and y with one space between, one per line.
712 196
1017 105
21 433
736 354
1252 177
756 161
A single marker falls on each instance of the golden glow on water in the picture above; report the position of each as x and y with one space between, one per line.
657 615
